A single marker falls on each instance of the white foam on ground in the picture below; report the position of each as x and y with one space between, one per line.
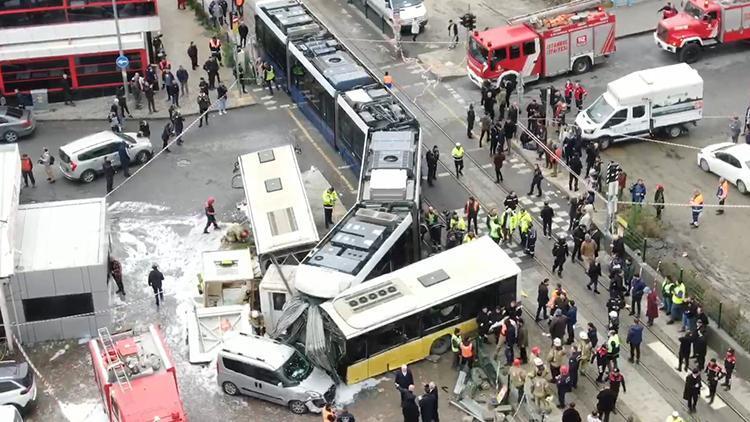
88 411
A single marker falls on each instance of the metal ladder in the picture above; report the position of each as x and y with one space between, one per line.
112 359
572 7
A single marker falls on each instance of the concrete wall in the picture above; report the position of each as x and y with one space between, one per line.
38 284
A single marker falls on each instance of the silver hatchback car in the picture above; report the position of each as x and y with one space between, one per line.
15 123
83 159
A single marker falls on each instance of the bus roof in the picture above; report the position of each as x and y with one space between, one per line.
504 35
277 203
419 286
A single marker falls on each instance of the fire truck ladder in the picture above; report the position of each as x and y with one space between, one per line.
112 359
572 7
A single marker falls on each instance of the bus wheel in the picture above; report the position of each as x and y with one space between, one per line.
440 345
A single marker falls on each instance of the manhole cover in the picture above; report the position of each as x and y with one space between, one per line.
183 163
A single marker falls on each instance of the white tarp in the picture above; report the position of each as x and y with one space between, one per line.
10 189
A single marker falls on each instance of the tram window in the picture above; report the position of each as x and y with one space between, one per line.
350 135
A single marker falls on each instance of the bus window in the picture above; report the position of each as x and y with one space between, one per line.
356 349
437 317
392 335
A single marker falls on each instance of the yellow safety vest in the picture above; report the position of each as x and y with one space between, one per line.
458 153
679 288
525 221
468 239
330 198
455 343
494 228
270 74
613 344
458 224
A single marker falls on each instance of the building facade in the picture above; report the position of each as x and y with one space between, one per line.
42 39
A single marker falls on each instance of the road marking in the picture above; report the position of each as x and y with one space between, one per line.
320 151
284 105
486 166
271 108
267 97
443 174
343 167
268 103
670 359
257 89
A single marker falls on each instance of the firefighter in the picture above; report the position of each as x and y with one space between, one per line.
431 219
579 93
569 88
667 11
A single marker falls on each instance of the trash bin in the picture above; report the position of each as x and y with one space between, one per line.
39 99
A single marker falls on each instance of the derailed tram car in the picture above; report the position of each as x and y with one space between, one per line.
376 135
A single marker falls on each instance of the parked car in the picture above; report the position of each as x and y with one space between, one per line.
17 384
83 159
728 160
15 123
266 369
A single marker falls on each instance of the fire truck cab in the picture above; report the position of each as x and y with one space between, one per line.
703 23
572 37
136 377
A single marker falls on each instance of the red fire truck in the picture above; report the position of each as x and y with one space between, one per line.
703 23
571 37
136 376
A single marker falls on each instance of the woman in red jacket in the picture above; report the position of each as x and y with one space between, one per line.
652 305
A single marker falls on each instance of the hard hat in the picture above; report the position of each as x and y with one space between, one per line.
516 362
535 350
538 362
458 144
675 414
254 314
613 314
557 342
583 335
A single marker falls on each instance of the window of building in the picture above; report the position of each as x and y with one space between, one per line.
39 309
278 299
45 12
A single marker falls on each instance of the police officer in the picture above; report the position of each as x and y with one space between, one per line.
713 375
329 200
166 134
560 252
109 173
458 158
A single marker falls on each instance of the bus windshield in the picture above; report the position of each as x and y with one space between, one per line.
600 110
297 368
477 51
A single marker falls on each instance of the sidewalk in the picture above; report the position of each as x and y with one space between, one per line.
179 27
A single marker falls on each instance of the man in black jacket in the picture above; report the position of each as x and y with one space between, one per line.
428 403
470 118
574 162
155 279
109 173
433 156
409 407
542 297
547 213
243 30
560 252
404 377
606 403
212 70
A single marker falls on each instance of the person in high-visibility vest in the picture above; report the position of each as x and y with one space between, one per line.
678 301
524 223
269 77
696 206
457 222
721 193
613 350
469 237
456 346
674 417
666 294
493 224
329 200
431 219
458 158
388 80
467 352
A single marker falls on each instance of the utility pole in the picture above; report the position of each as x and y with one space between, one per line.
119 46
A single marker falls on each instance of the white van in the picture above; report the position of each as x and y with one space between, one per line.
405 10
266 369
663 99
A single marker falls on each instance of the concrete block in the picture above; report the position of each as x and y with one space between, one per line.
76 327
69 281
44 331
40 284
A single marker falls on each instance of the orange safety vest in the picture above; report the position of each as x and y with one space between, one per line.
467 351
387 79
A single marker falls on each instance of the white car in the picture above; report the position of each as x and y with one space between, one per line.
728 160
83 159
17 384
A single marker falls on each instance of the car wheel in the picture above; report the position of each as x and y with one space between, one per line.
581 65
10 137
229 388
604 142
690 53
440 345
297 407
741 187
674 131
704 165
143 157
88 176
